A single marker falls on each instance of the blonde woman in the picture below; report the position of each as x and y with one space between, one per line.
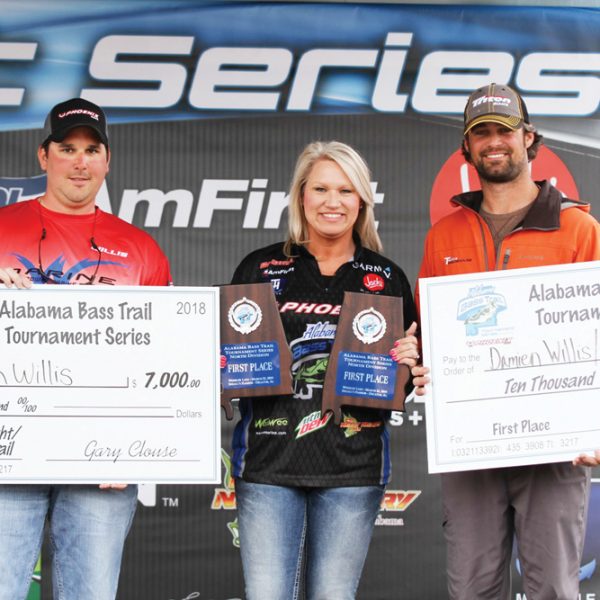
308 490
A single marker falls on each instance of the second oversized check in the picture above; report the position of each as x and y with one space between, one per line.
109 385
515 366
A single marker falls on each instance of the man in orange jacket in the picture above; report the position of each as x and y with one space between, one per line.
512 222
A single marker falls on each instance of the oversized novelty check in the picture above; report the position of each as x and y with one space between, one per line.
116 385
515 366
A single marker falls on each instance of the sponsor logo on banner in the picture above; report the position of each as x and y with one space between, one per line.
18 189
395 501
156 72
224 498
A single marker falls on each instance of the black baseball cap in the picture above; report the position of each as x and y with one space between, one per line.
495 103
72 113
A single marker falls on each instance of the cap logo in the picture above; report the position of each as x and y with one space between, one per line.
493 99
79 111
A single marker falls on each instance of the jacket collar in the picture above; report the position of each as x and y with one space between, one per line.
543 215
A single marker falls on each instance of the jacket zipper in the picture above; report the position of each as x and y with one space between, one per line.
505 259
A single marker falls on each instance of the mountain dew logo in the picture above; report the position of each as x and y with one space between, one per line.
224 497
35 587
312 423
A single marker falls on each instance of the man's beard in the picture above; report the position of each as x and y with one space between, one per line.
509 172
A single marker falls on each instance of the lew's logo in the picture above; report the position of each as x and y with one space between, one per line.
312 423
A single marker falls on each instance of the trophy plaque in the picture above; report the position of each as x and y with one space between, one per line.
255 356
360 371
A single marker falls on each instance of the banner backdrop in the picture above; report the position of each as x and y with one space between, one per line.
209 106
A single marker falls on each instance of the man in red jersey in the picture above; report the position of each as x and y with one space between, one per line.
62 237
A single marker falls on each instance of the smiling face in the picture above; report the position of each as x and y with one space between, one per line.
75 169
498 153
331 203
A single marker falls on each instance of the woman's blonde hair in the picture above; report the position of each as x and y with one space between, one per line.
357 171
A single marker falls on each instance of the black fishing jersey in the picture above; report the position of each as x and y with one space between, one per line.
285 440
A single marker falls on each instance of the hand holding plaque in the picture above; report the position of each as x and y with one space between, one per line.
361 371
256 359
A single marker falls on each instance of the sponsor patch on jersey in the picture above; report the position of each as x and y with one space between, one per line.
368 268
309 308
276 263
279 284
352 426
320 330
58 271
373 282
270 272
271 422
312 423
271 426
